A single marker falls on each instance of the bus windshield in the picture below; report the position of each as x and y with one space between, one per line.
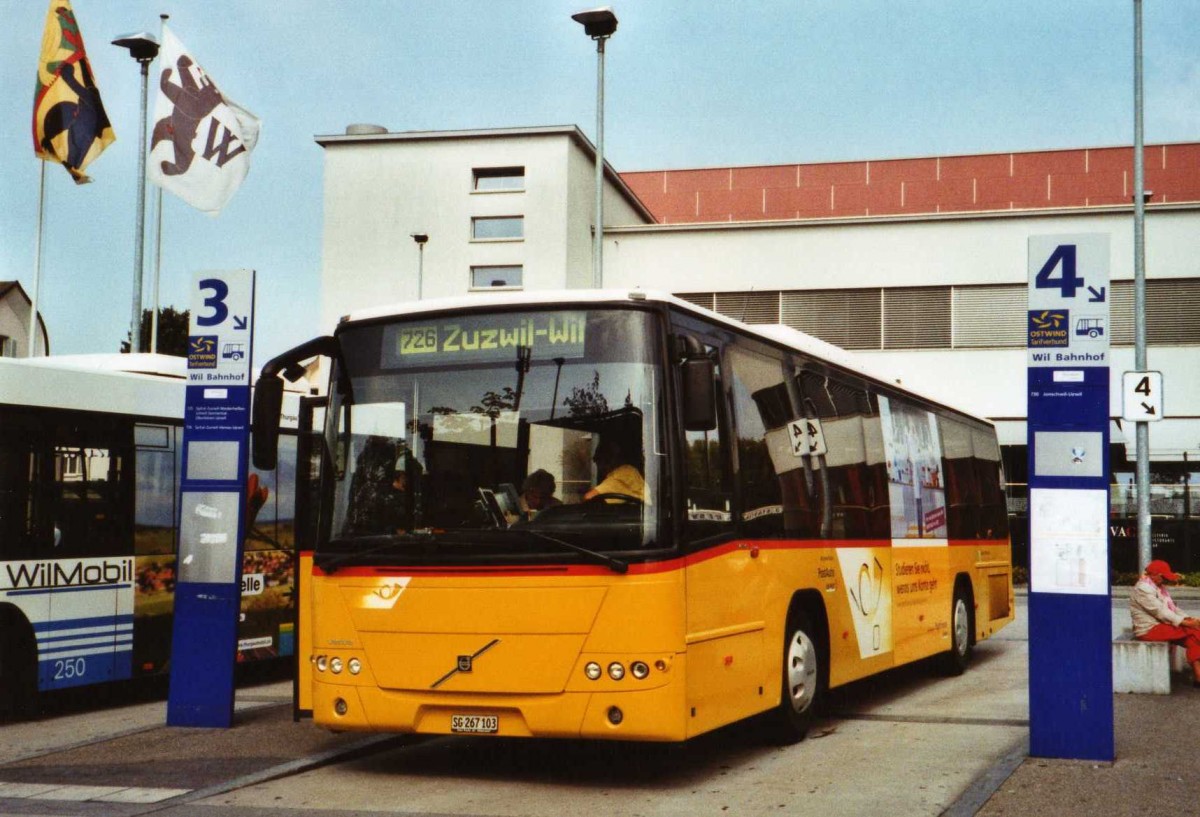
502 436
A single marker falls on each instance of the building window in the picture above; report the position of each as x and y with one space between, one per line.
8 346
497 277
498 179
498 228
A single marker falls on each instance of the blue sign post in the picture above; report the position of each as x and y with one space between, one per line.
1070 624
212 500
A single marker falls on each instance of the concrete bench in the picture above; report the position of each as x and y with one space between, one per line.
1145 666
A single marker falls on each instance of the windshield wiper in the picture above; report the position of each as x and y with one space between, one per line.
330 563
382 542
612 563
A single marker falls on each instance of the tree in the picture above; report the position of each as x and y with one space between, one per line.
587 401
172 332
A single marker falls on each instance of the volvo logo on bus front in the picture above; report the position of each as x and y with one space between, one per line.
464 663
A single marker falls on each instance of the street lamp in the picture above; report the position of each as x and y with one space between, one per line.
599 24
1141 428
143 47
421 239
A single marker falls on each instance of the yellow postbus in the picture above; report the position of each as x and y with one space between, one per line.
618 515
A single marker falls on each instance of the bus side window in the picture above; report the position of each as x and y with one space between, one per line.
961 478
846 474
709 498
91 507
18 499
761 411
157 491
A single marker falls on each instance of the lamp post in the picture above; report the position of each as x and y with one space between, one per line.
143 47
1141 428
421 239
599 24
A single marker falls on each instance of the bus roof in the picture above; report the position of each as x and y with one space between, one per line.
142 363
778 334
72 382
145 385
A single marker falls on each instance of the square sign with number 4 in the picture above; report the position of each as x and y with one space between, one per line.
1141 397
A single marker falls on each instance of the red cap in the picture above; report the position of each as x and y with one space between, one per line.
1161 568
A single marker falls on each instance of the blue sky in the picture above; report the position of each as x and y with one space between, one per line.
689 84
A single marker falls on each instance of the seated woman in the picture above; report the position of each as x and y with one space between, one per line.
537 493
617 473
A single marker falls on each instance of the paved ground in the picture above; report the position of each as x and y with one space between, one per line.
1157 770
894 745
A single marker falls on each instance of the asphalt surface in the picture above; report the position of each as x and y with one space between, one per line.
1157 765
121 761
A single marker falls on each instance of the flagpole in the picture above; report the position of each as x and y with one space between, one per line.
37 262
157 268
143 48
162 26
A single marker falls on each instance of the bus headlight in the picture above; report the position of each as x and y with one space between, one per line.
592 671
335 665
616 671
322 663
639 669
354 665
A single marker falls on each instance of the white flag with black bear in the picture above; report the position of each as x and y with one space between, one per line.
201 144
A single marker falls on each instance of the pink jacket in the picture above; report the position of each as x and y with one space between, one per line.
1150 604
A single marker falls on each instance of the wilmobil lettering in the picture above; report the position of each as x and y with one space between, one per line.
68 573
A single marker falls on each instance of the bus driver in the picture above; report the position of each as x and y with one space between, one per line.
616 472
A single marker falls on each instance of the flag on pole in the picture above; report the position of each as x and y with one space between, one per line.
69 122
201 143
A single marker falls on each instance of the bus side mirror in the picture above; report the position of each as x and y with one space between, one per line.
268 400
699 395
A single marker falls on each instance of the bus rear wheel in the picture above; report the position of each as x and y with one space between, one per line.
18 675
802 684
954 661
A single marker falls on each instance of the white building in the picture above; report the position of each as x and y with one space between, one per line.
920 265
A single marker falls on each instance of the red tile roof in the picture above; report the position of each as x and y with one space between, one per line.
1087 177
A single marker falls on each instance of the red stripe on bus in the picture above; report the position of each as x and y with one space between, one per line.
637 568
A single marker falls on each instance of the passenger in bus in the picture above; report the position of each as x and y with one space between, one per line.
377 502
1156 618
537 493
616 472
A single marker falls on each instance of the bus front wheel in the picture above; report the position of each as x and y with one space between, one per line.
802 681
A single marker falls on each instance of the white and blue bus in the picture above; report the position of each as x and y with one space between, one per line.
89 518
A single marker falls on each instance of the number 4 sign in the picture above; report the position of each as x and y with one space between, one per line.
807 436
1141 397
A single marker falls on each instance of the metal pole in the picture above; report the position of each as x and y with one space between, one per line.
135 322
420 269
158 216
598 234
1142 428
37 264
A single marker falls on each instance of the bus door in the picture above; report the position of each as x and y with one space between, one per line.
155 522
724 584
86 563
308 503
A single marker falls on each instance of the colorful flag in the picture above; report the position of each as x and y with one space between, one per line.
200 147
69 123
